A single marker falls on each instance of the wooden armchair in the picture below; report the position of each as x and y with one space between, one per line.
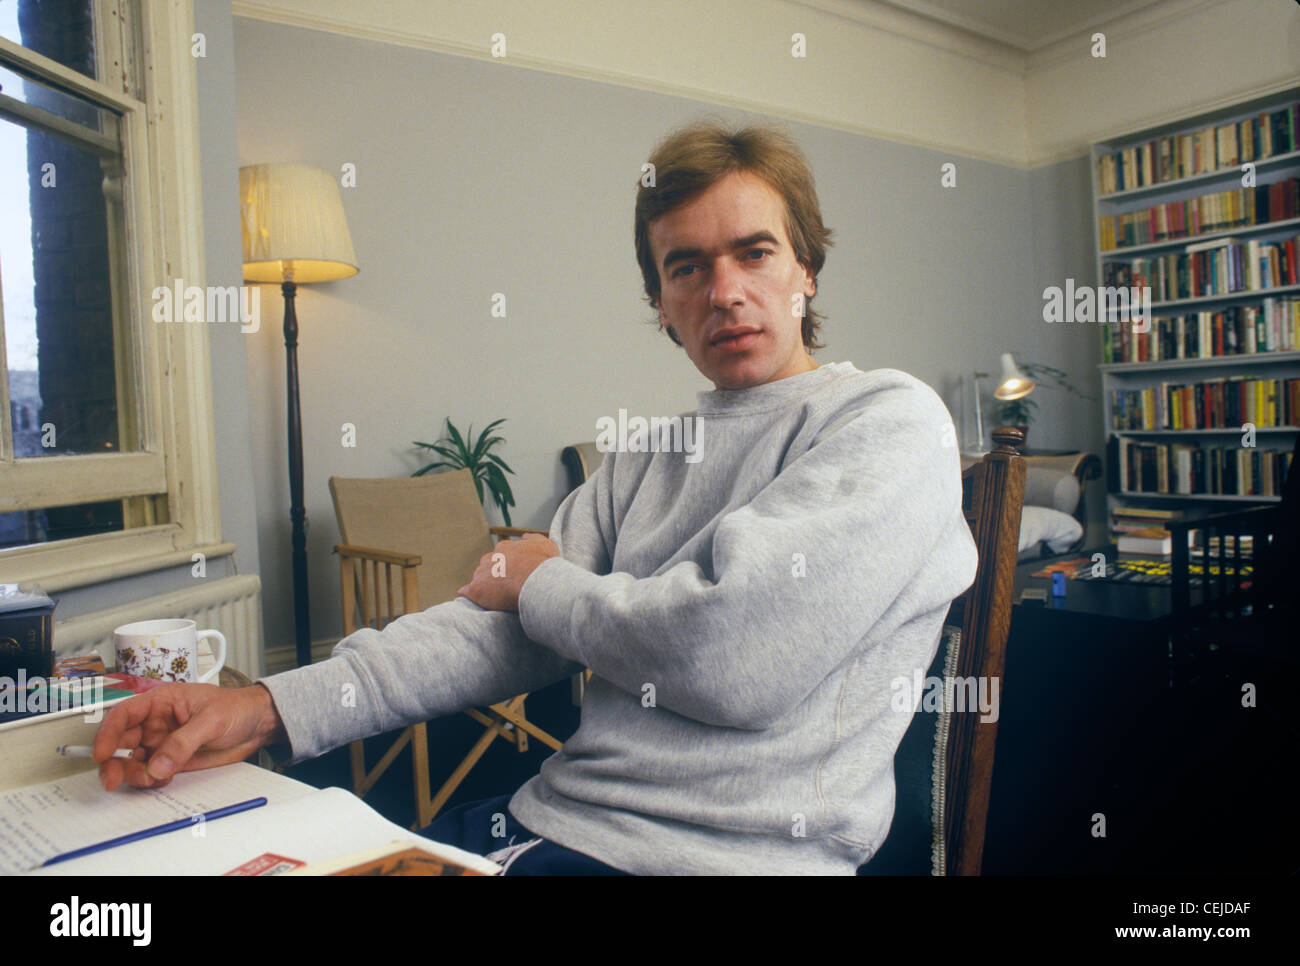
943 769
411 543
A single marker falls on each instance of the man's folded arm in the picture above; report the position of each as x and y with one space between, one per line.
432 663
421 666
868 517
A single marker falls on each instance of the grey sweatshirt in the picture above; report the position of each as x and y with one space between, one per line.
747 611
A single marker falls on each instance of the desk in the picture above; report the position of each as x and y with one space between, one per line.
1081 673
1124 603
1092 723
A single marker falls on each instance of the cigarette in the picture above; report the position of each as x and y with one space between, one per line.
85 751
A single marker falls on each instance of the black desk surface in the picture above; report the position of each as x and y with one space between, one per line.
1102 598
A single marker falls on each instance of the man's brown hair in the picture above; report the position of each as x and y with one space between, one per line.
694 158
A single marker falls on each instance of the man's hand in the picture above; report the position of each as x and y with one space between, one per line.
500 576
184 727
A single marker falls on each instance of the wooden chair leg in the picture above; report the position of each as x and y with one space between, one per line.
511 714
420 749
369 780
357 752
451 784
521 736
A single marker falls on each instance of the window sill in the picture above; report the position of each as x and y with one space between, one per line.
95 560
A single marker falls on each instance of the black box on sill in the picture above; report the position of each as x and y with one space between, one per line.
26 632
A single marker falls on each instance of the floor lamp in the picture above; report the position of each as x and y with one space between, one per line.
294 232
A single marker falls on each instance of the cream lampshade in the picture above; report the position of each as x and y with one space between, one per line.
294 226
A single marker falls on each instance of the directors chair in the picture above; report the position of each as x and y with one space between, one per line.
411 543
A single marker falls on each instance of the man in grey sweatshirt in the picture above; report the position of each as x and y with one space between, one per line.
747 604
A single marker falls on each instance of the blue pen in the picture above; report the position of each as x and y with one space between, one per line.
180 823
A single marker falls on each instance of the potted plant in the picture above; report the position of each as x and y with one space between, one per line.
477 457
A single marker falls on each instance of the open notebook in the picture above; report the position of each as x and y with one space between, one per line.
298 825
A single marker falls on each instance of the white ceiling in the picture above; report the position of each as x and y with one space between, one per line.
1025 24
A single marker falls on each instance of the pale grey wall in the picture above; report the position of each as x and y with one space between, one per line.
1063 238
216 95
476 177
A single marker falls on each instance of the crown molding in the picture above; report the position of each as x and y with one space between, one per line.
880 18
949 34
1018 41
1128 25
878 15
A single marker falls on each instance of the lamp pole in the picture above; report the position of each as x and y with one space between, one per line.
979 415
297 512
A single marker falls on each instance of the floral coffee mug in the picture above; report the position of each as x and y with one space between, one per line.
167 650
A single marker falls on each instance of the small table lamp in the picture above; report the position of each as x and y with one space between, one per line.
1013 385
294 231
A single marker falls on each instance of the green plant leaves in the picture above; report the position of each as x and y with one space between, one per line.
475 455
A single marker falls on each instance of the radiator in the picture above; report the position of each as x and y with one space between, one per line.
232 605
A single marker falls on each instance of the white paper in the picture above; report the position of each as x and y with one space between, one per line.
41 821
320 826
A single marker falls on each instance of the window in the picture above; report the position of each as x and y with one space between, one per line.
106 457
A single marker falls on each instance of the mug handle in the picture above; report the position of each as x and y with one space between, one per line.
221 657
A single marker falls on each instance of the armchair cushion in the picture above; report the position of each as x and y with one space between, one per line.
1051 510
1039 523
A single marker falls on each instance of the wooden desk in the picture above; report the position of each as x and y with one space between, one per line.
1093 723
1082 674
1124 603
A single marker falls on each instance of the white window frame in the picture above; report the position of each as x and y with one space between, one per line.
164 212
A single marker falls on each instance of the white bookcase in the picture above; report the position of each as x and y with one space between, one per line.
1282 362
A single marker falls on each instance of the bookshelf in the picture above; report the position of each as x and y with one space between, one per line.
1174 210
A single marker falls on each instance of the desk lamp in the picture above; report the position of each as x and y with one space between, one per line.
1014 384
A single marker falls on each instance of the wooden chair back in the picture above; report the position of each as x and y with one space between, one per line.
943 770
993 493
437 518
580 461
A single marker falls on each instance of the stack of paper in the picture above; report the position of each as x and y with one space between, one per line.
299 825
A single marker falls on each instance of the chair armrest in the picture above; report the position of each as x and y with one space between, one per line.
515 531
1052 487
379 556
1082 466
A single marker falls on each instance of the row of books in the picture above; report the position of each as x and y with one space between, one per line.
1128 519
1182 468
1222 403
1220 268
1218 211
1272 326
1201 151
1143 530
1138 529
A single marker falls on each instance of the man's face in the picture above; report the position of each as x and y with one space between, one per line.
728 280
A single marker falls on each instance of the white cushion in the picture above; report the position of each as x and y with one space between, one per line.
1060 530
